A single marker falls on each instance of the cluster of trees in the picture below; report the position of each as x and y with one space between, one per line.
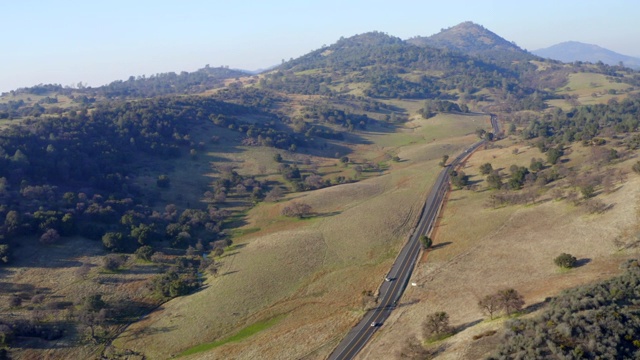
519 176
329 115
297 209
432 107
585 122
317 84
249 96
262 133
300 182
44 161
99 145
387 84
459 179
436 325
598 321
508 301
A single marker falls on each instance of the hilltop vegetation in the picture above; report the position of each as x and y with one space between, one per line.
474 39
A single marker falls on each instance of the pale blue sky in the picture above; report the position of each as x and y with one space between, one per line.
97 42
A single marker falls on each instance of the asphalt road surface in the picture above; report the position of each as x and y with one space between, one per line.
396 281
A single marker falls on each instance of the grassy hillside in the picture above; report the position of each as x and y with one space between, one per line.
510 246
308 269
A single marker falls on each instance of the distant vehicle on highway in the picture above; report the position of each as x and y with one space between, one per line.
387 279
374 324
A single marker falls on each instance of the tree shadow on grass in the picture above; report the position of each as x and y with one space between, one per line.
536 306
582 262
440 245
33 341
328 214
152 331
467 325
237 246
9 288
408 303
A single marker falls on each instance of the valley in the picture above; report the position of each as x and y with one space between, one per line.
219 214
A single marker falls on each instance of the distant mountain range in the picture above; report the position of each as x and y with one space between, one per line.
571 51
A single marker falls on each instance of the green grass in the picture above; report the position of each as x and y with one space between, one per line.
439 127
235 233
584 84
239 336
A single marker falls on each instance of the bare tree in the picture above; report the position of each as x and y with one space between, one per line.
274 194
436 325
621 175
510 300
490 304
83 271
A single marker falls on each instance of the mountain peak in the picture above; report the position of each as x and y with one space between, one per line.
570 51
474 39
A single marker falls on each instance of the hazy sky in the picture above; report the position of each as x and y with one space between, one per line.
96 42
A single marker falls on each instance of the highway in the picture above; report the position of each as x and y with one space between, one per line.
391 291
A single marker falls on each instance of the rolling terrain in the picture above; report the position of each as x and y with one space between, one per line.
161 205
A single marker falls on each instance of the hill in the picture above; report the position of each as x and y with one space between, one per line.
381 66
571 51
473 39
143 86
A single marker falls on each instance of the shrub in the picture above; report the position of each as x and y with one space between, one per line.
50 236
112 262
486 169
163 181
112 241
565 261
15 301
37 299
144 252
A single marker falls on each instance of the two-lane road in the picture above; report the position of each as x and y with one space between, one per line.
401 270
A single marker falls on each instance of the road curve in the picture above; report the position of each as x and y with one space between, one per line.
390 292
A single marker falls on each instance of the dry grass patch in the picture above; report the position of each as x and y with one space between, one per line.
479 250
